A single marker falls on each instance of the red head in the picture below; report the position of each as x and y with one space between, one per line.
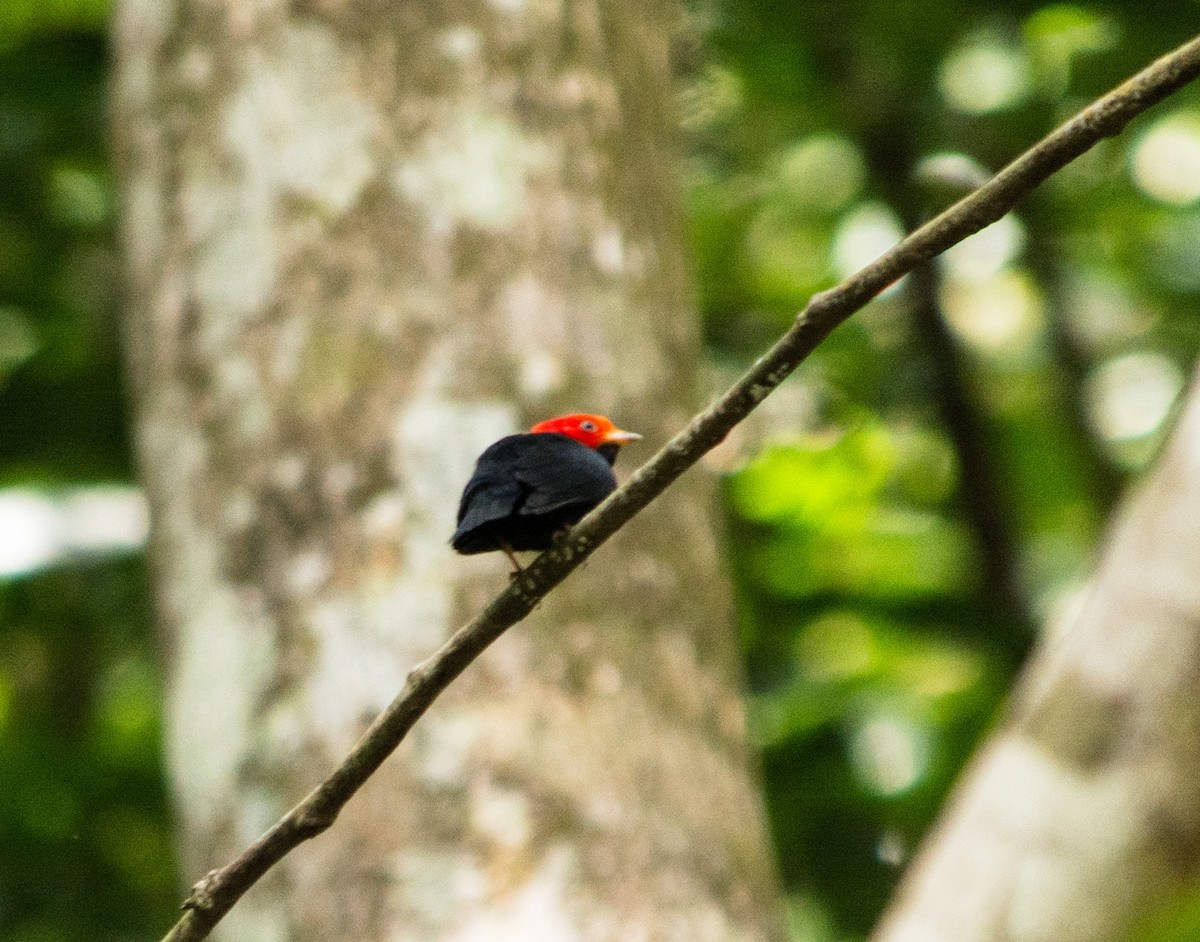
595 431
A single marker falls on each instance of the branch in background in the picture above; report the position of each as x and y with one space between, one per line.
217 893
981 499
979 492
1045 260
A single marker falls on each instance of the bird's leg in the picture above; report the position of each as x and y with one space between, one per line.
512 558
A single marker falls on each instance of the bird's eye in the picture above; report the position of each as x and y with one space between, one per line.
588 426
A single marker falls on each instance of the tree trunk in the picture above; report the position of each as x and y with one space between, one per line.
364 240
1081 815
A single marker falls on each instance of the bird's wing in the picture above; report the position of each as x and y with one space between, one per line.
556 471
494 492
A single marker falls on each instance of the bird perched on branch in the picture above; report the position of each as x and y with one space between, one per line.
526 488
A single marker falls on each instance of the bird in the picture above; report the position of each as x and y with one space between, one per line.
527 488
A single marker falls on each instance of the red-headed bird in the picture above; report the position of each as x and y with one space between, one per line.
528 487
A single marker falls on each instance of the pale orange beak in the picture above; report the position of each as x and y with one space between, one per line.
618 437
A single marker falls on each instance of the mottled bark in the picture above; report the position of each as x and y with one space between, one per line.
1082 813
365 240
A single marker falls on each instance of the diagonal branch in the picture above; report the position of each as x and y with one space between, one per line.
217 893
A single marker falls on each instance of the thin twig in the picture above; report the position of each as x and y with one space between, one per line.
216 893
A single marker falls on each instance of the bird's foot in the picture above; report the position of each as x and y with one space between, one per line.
518 571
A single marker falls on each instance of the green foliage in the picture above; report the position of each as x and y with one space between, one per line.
83 817
847 517
856 579
884 614
1178 921
82 807
23 20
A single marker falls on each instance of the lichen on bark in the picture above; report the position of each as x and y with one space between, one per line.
363 242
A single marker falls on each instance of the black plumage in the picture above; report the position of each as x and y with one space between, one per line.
528 487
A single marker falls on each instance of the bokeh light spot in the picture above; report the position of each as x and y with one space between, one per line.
863 235
1102 312
950 173
889 753
40 529
1165 160
987 252
999 315
984 77
822 173
891 849
29 537
1129 396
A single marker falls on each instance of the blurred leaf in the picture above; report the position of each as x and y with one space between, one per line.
20 19
1059 33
